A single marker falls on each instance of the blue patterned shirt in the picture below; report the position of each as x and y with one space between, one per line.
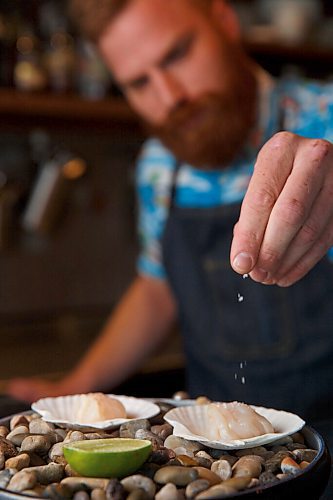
304 108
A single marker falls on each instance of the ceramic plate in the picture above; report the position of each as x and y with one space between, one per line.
190 422
61 410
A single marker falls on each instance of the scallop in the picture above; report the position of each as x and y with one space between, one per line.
92 411
96 407
230 426
230 421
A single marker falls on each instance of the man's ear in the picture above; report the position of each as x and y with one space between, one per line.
226 17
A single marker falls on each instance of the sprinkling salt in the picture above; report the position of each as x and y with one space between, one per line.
240 297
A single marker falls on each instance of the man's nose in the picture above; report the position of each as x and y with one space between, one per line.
169 91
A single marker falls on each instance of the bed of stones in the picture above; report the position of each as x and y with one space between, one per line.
32 463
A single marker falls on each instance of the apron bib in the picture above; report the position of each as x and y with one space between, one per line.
244 341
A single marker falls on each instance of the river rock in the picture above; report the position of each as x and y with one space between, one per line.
17 439
175 442
208 474
46 474
115 490
4 431
195 487
162 431
168 492
18 420
289 466
138 494
22 480
57 450
305 454
178 475
217 491
19 462
39 426
7 448
222 468
19 429
5 477
150 436
78 483
249 465
81 495
36 443
138 481
128 429
98 494
73 435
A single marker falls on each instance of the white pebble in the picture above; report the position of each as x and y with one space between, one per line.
168 492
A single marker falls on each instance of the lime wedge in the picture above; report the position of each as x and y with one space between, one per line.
114 457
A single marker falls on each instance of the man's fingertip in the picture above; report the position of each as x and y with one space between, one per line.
242 263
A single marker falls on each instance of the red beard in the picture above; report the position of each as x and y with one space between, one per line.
210 131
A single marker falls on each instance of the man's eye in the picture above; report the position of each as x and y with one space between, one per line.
137 84
178 52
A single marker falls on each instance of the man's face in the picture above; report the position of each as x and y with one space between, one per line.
187 80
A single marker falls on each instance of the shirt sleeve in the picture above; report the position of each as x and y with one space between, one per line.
153 179
308 109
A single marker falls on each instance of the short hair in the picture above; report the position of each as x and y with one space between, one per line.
91 17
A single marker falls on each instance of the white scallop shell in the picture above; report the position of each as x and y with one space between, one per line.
60 411
190 422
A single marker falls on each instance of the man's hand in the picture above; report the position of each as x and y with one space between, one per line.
32 389
286 221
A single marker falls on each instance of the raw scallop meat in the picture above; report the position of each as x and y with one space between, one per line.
230 421
96 407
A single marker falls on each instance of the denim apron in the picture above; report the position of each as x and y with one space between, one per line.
244 341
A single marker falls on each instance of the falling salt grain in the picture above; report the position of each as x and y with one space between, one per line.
240 297
243 380
245 276
235 376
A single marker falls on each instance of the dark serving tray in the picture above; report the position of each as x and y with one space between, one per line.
309 484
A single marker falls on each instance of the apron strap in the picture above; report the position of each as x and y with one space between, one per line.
173 186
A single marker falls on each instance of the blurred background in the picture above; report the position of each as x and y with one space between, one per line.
68 144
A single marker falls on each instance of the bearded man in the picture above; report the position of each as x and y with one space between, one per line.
236 160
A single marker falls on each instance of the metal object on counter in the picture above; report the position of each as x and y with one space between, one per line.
11 192
51 191
8 199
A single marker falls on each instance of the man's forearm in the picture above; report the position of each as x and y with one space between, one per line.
140 322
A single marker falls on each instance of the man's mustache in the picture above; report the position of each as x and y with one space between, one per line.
182 114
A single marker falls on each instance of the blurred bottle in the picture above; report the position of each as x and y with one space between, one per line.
93 78
294 20
59 61
29 73
59 49
8 34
